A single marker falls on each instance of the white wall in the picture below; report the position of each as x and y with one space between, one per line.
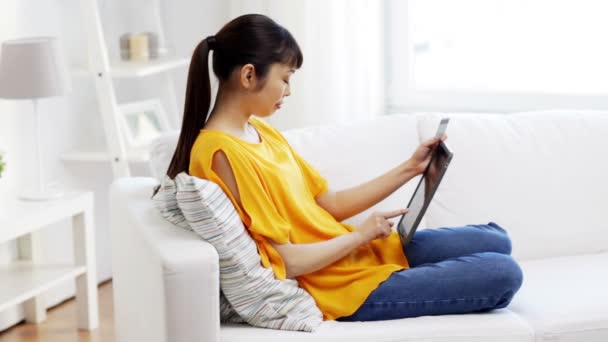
72 122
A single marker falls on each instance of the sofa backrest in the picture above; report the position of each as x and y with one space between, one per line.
541 175
346 154
161 153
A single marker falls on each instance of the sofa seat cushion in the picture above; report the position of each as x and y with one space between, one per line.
565 298
496 326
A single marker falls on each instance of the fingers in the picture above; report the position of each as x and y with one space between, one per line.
388 230
382 227
429 143
433 141
394 213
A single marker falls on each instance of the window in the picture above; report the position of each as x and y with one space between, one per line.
489 54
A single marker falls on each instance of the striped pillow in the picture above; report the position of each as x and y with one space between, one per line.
166 203
254 292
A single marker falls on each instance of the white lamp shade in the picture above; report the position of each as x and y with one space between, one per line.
33 68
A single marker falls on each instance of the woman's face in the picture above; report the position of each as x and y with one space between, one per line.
270 98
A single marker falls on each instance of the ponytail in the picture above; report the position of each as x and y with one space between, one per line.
196 106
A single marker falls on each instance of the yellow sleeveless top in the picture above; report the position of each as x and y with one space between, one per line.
277 190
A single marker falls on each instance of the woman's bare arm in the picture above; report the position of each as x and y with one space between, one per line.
347 203
222 168
307 258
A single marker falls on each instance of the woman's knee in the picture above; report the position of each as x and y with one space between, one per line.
504 271
499 240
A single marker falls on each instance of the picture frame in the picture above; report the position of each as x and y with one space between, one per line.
142 121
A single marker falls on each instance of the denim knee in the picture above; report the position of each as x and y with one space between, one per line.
509 276
503 241
513 281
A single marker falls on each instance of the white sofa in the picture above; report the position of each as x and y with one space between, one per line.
541 175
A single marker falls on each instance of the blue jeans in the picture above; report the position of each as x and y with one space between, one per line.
452 271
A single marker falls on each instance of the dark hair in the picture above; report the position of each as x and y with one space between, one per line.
249 39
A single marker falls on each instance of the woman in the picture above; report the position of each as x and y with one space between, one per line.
353 273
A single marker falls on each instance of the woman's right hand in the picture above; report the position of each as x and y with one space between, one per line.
378 225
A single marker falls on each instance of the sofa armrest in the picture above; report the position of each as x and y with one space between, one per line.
165 279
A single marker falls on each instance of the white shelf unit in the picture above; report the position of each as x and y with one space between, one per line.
24 280
104 72
126 69
138 69
104 156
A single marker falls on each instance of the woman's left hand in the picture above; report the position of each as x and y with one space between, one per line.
422 156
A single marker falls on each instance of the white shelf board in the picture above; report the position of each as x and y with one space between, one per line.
23 280
126 69
103 156
139 69
16 217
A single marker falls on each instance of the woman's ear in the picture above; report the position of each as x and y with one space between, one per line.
247 76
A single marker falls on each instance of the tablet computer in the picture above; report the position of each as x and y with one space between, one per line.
429 182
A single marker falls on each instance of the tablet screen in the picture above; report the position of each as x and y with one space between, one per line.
422 195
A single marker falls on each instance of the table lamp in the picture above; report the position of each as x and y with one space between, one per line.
34 68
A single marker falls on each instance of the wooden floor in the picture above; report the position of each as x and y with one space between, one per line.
61 324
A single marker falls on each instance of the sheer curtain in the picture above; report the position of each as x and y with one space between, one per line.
342 78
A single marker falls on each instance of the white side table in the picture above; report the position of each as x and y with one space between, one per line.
25 279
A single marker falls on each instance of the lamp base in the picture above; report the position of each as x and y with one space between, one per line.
48 195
